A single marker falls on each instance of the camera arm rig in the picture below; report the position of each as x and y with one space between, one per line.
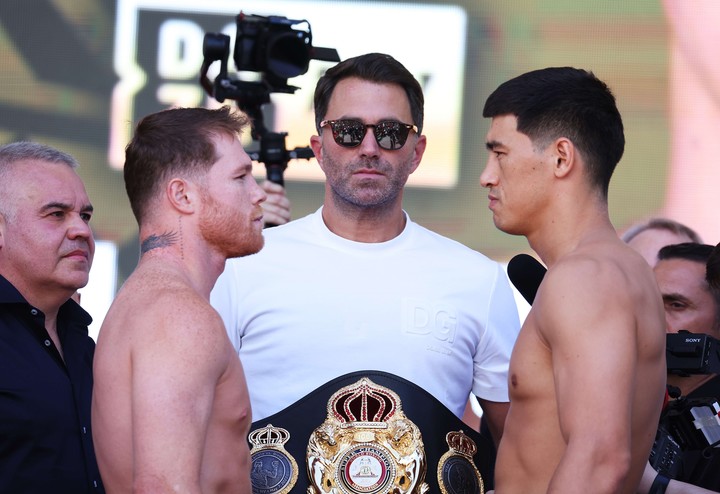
271 46
250 97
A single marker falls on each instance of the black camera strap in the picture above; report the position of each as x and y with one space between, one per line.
659 485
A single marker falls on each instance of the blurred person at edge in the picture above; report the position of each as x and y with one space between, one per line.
46 355
647 237
688 275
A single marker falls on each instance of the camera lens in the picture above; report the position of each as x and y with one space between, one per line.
288 54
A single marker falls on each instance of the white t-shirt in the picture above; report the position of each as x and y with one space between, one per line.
312 306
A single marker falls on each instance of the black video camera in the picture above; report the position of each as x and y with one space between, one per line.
692 353
270 45
277 50
273 46
687 424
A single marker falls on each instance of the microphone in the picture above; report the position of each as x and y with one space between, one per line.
526 274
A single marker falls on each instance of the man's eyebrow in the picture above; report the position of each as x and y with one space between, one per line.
87 208
56 205
673 297
490 145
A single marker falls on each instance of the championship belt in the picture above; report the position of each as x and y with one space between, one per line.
366 445
369 432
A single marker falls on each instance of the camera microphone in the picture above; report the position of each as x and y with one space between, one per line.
526 274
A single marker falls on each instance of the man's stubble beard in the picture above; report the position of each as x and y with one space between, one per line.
370 195
233 235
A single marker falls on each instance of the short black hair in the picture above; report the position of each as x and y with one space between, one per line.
565 102
690 251
373 67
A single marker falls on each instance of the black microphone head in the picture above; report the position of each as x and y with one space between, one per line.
526 274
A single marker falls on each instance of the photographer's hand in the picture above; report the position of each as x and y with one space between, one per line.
276 209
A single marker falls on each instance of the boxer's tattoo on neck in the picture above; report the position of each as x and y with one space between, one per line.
158 241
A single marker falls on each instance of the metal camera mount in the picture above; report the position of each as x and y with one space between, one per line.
273 47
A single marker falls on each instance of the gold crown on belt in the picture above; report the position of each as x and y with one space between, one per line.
364 402
268 436
461 443
366 445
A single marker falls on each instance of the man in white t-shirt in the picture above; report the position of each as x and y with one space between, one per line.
358 285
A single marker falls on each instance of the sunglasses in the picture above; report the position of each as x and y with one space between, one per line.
389 134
